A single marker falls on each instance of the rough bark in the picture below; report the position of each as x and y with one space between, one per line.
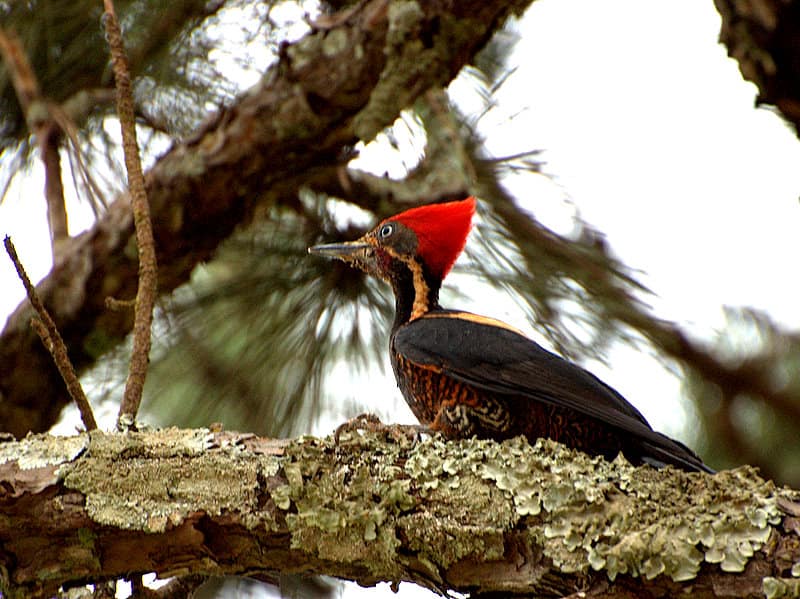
343 82
468 516
762 36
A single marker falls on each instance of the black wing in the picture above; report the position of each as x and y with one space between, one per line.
490 355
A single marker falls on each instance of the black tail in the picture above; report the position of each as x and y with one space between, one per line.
673 453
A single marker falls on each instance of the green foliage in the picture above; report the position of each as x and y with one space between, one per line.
752 425
167 45
68 53
250 341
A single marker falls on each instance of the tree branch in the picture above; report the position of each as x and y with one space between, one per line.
762 37
466 516
148 270
51 339
48 134
300 117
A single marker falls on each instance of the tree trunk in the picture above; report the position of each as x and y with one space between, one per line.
477 516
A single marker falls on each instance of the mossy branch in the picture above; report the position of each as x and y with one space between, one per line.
469 516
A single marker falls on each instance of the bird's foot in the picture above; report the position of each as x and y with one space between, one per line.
370 422
365 421
410 432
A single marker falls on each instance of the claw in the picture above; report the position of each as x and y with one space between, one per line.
370 422
365 421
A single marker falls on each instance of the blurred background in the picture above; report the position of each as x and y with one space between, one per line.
637 214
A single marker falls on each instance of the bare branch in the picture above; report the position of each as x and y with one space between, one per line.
48 333
146 294
762 38
46 130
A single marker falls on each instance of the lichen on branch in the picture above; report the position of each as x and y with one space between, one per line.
468 515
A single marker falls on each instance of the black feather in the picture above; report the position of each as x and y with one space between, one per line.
490 356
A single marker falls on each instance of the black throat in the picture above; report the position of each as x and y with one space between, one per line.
413 296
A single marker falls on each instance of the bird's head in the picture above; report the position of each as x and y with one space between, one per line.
426 239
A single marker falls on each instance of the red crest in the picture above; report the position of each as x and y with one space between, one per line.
441 231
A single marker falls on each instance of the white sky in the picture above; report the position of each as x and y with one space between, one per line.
650 131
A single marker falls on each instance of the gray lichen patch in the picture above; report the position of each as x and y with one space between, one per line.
38 451
777 588
353 504
155 480
450 504
411 65
465 517
586 512
151 444
335 42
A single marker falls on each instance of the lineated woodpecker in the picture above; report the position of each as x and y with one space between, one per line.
465 374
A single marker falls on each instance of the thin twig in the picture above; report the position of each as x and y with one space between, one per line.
48 133
64 116
48 138
146 294
115 304
48 332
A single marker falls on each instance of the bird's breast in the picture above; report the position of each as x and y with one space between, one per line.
422 387
451 406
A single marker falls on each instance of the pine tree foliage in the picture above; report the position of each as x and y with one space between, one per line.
168 47
251 340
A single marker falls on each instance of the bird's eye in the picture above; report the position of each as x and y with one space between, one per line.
386 231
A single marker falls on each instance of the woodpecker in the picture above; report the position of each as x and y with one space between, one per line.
464 374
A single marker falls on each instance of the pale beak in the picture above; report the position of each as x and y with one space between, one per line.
358 253
342 251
